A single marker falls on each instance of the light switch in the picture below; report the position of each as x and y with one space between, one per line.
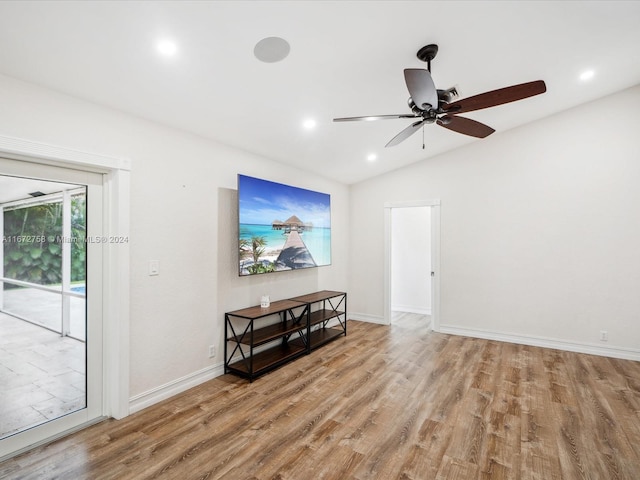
154 267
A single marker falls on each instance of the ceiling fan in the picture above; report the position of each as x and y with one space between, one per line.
431 105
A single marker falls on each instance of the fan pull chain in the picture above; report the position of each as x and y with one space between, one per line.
423 136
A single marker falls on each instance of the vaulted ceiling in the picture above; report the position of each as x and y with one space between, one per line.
346 58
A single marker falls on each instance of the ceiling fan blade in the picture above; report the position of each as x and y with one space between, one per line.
421 88
465 126
375 117
497 97
404 134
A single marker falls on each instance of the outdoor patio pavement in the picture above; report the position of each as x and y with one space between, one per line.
42 375
45 308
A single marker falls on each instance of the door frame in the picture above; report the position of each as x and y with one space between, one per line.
115 267
435 257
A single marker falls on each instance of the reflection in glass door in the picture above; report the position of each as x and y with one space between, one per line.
46 335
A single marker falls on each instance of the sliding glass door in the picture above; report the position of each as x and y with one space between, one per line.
50 302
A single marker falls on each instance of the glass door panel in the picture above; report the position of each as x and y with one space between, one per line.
50 346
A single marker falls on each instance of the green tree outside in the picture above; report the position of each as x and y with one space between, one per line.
32 242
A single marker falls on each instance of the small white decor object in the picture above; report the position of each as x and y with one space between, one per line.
264 301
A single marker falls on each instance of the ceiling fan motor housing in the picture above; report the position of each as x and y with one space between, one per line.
446 96
428 114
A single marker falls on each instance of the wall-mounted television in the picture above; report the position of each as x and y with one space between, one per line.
281 227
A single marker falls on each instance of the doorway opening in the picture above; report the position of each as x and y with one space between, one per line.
411 264
412 258
107 181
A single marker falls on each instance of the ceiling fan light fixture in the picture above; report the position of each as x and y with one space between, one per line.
372 157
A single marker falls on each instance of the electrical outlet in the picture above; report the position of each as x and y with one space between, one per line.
212 351
604 335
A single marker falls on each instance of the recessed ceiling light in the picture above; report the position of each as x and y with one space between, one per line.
372 157
587 75
166 47
309 124
271 49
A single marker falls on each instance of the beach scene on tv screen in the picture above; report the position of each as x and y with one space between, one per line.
281 227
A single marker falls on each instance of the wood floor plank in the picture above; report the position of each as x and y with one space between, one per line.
424 457
397 402
455 469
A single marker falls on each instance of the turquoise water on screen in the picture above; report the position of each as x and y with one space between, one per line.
317 240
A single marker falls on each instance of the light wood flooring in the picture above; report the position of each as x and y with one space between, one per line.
383 403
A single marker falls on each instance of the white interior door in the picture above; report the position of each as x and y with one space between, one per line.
79 304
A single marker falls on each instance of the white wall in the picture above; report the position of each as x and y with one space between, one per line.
183 213
411 260
540 229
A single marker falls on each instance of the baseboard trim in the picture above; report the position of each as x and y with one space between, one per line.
588 348
365 317
168 390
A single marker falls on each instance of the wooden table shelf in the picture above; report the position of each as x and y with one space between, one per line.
304 323
319 337
268 359
323 307
320 316
273 332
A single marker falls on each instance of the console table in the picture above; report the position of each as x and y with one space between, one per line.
260 339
